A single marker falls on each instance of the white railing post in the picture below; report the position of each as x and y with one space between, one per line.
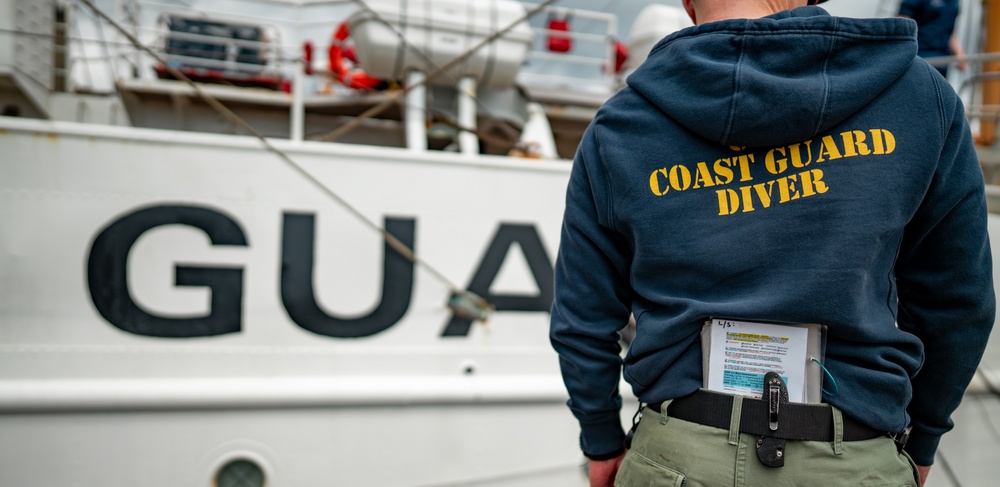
298 105
468 141
415 111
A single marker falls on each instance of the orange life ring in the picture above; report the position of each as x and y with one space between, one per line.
354 78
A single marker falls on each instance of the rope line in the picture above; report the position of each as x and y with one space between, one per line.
395 95
458 294
426 59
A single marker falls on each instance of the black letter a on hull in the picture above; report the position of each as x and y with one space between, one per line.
541 269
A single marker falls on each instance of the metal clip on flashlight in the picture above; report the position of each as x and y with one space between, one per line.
771 451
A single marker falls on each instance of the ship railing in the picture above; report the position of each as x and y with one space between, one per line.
587 67
982 109
227 57
232 48
583 75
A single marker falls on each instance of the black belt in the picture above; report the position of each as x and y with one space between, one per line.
808 422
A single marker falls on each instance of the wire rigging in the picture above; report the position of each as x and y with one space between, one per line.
461 301
987 418
409 45
90 76
948 470
395 95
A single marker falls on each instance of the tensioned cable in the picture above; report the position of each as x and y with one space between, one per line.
409 45
430 63
86 64
49 35
426 59
443 116
391 240
948 471
990 386
226 112
987 418
395 95
107 48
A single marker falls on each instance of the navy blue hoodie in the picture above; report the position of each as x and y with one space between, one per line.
796 168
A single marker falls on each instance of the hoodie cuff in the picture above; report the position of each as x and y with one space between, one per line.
602 440
921 447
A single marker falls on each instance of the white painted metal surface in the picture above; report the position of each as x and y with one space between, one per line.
405 406
468 142
654 23
415 111
395 36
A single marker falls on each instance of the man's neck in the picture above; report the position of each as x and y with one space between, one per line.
715 10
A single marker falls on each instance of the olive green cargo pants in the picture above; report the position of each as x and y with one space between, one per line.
672 452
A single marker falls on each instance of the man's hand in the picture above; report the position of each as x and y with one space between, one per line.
956 50
923 471
602 472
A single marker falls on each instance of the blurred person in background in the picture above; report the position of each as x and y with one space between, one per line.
935 29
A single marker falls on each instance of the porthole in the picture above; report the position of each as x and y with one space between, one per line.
240 473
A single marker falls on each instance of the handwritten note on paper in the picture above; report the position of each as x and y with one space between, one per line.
742 352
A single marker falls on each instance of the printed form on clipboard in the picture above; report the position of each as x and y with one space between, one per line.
736 355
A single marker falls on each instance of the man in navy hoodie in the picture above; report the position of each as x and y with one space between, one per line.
775 164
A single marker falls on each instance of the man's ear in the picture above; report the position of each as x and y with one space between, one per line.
689 8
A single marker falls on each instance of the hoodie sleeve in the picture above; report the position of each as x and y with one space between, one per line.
945 285
591 304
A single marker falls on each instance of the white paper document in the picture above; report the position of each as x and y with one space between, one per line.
741 352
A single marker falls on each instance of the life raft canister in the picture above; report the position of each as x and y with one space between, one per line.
352 78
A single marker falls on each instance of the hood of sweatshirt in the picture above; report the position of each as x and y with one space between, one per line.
762 85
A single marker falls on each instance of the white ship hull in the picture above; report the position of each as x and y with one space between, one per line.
404 405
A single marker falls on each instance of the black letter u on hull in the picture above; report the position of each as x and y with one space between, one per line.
299 297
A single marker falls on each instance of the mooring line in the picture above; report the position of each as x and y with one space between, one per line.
460 301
